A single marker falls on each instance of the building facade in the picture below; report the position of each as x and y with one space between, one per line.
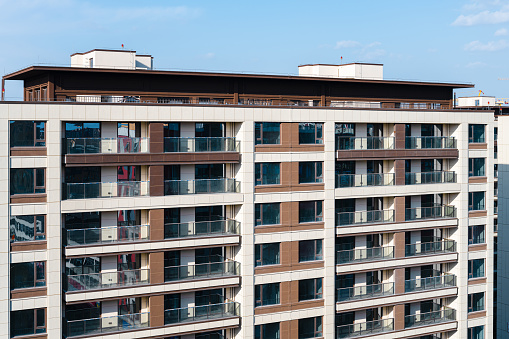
139 203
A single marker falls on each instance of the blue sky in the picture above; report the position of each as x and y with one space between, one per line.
447 40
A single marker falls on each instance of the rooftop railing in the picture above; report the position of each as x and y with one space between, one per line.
201 228
363 180
344 143
440 177
110 234
364 217
430 318
202 313
364 292
430 283
365 328
433 212
201 271
201 186
107 145
218 144
117 189
117 323
93 281
426 248
364 254
429 142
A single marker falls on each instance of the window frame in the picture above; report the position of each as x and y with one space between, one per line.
471 128
477 329
317 289
37 142
37 329
259 139
471 201
471 268
317 256
317 139
259 254
317 178
259 294
471 234
472 304
259 210
471 167
35 232
316 324
36 187
36 282
260 173
260 329
318 215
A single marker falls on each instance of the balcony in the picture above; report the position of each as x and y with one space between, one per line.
430 283
201 186
118 323
364 217
107 235
433 212
201 145
363 180
364 292
201 271
364 255
364 143
429 142
365 328
442 177
427 248
202 313
117 189
93 281
107 145
202 229
430 318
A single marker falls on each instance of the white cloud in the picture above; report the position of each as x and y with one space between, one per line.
491 46
475 64
209 55
501 32
482 18
347 44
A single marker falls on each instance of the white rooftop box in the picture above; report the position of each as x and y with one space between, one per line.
347 71
120 59
481 101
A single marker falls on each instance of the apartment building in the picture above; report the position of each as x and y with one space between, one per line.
160 204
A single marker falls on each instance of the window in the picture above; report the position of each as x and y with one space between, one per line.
310 250
476 234
310 289
476 133
476 302
28 275
476 332
310 172
476 167
310 211
27 133
27 228
495 134
476 201
28 322
266 294
267 254
27 180
310 133
310 328
476 268
267 173
267 331
267 214
476 102
267 133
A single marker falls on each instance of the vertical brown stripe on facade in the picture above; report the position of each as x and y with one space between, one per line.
293 291
294 213
286 253
399 133
399 244
399 169
285 330
399 317
294 329
156 308
156 134
156 179
286 213
399 280
156 222
156 263
286 134
287 173
399 206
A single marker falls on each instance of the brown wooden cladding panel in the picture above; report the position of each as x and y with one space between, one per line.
156 264
156 180
477 281
28 151
290 141
156 134
477 247
478 146
399 281
399 169
156 308
28 246
156 222
399 206
33 336
399 245
73 160
289 181
28 198
477 180
399 136
397 154
475 214
475 315
28 292
289 260
289 221
399 317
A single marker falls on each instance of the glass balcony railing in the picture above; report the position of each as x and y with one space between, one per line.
433 212
364 254
442 177
117 189
363 143
201 145
362 180
201 271
429 142
364 292
426 248
495 209
110 234
92 281
430 283
364 217
365 328
107 145
202 313
118 323
201 186
201 228
430 318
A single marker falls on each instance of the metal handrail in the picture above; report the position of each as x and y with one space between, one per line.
108 234
117 189
364 217
364 291
201 228
365 328
199 313
430 283
364 254
423 319
201 144
107 145
432 212
201 271
362 180
91 281
363 143
437 177
430 142
124 322
443 246
201 186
